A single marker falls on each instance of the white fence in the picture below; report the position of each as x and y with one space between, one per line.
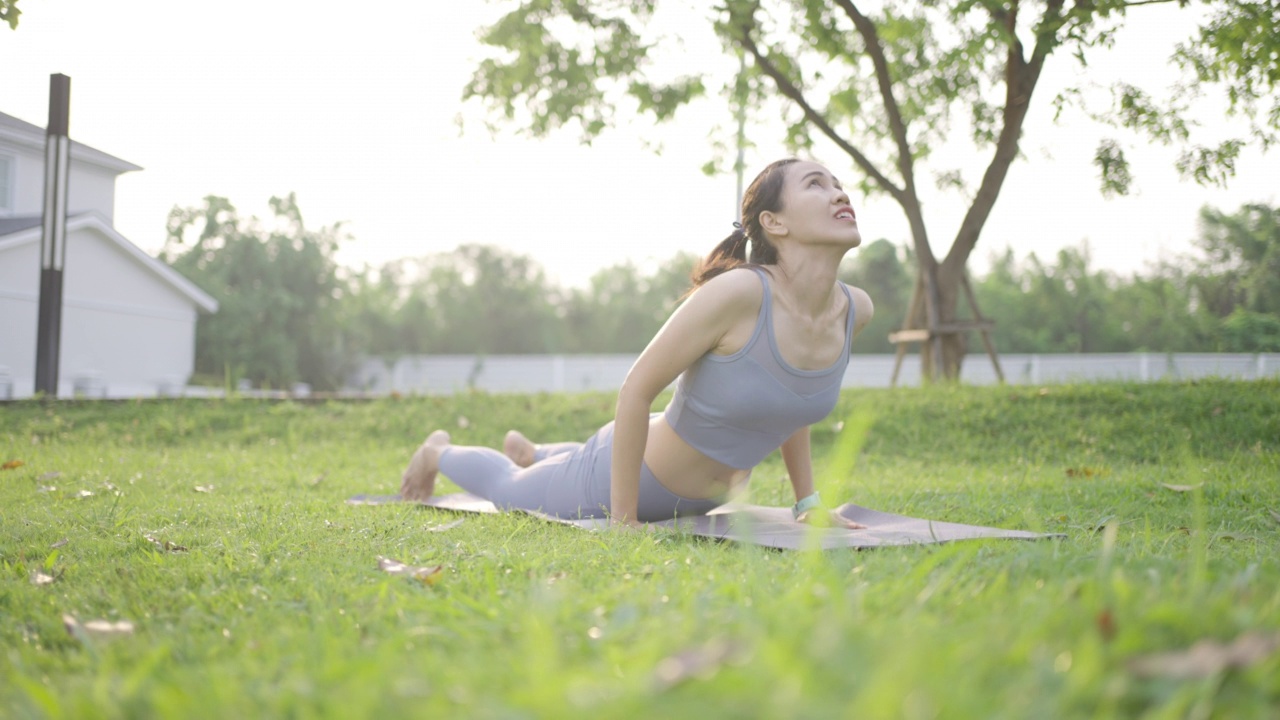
444 374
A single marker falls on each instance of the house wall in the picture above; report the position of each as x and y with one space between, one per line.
125 331
90 187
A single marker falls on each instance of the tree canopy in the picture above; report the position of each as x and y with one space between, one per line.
278 289
886 86
9 13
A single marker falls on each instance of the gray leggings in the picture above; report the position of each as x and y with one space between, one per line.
568 480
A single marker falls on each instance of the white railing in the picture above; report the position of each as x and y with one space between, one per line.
445 374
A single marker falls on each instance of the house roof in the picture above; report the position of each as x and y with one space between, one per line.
10 225
23 229
33 136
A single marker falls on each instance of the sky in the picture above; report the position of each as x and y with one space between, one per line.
357 109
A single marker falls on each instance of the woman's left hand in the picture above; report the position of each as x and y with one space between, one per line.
821 517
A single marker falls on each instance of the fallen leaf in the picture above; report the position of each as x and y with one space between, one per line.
1106 624
60 543
51 475
204 488
12 465
701 662
1274 515
39 578
105 627
165 546
429 575
446 526
1207 657
1086 472
46 488
84 494
318 480
1181 488
1217 411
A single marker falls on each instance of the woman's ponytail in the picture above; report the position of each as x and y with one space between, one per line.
763 195
729 254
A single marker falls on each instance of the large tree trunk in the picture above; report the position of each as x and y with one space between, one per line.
942 356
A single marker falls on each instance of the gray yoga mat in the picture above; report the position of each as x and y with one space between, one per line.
766 526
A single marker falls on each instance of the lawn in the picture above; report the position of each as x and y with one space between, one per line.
217 530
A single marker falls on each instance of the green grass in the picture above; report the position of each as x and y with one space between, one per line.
278 608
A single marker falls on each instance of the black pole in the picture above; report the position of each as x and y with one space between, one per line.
53 241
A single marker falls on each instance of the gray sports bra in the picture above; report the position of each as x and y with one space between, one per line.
739 408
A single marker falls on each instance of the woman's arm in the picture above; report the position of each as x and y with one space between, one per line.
697 327
798 457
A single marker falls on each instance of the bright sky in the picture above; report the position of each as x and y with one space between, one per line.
355 108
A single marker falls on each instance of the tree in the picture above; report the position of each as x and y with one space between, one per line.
481 299
1238 280
881 269
622 308
896 82
277 289
1235 54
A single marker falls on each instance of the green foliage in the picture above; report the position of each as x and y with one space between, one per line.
277 287
277 608
9 13
884 271
622 308
1234 58
1245 331
1242 258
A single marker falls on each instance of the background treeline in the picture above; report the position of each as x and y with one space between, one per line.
290 313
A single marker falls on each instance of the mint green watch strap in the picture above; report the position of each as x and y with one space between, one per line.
805 504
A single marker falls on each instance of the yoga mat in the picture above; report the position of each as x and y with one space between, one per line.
766 526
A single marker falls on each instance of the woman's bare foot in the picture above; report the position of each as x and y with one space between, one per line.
519 448
419 479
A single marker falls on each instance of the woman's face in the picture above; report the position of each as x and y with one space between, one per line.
815 209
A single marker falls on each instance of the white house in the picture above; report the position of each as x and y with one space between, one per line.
128 320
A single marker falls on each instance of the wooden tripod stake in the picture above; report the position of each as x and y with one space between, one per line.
929 331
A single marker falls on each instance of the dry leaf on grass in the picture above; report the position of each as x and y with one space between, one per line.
165 546
1181 488
1207 657
1086 472
428 575
701 662
204 488
60 543
1106 623
84 494
12 465
1274 515
81 631
39 578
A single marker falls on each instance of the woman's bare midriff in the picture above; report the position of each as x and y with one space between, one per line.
685 471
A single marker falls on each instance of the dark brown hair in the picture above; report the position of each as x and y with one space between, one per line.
763 195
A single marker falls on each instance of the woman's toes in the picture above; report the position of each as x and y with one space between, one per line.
419 479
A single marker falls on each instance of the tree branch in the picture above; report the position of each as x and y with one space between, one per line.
1020 81
794 94
867 30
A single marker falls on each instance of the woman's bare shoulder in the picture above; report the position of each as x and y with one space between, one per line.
863 308
739 287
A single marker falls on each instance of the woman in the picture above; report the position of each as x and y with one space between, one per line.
759 349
